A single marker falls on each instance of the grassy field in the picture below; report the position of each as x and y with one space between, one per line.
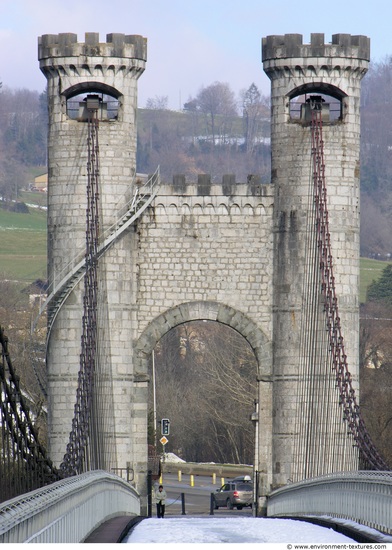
23 246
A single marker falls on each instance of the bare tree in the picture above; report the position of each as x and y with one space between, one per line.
255 106
206 385
157 103
12 178
375 374
376 228
376 146
217 103
16 314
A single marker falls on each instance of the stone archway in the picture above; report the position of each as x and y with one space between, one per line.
262 348
197 311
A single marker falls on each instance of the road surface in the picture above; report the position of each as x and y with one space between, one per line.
197 498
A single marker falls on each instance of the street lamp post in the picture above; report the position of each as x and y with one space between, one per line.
154 399
255 419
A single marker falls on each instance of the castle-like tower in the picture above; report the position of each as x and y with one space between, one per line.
332 73
208 254
107 73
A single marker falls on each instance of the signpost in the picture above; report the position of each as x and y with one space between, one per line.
165 429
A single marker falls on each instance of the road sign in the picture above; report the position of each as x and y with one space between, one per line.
164 440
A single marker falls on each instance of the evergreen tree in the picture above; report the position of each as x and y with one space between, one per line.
381 290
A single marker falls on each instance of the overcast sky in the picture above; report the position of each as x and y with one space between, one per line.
191 43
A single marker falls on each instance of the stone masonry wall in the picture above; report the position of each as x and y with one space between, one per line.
230 252
205 252
197 244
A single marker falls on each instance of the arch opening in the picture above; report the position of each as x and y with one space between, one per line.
77 97
204 380
259 343
328 98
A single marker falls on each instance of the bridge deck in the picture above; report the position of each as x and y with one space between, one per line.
113 530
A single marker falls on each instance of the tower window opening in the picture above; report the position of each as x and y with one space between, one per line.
79 106
301 107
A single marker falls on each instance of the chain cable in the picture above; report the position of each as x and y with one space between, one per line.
77 458
369 456
24 464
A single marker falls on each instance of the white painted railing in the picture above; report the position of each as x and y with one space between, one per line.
67 511
362 497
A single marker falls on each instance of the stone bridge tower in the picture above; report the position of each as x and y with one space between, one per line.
108 73
237 254
333 72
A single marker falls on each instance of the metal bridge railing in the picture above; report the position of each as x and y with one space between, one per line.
363 497
67 511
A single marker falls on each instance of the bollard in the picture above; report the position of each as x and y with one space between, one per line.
222 481
192 480
212 506
214 479
179 475
183 504
160 479
149 494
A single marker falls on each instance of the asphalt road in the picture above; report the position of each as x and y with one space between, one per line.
197 498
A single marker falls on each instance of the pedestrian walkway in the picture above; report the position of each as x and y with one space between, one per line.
113 530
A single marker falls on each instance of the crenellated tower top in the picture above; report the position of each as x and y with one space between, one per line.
131 46
62 55
292 46
111 69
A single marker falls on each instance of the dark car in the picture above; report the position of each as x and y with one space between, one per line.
234 494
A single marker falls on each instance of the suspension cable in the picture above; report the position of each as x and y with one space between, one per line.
24 465
77 457
348 401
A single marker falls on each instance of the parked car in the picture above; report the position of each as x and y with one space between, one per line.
241 478
234 494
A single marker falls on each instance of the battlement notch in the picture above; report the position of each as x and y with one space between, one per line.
292 46
227 187
129 46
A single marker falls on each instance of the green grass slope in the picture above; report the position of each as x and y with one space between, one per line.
23 245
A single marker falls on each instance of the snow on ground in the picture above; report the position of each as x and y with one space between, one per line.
231 530
172 458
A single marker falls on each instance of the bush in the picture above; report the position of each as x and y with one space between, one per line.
20 208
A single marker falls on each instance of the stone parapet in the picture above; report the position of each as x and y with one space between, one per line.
129 46
291 46
227 187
